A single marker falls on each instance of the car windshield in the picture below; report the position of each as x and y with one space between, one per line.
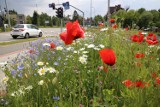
19 26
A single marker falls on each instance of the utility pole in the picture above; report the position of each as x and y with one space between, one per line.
108 12
9 23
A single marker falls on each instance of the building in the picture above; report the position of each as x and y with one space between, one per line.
115 8
18 18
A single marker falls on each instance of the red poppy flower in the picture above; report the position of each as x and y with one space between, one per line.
126 28
31 51
101 24
151 39
139 84
128 83
74 31
137 38
158 80
108 56
52 45
138 64
114 26
139 55
111 20
154 75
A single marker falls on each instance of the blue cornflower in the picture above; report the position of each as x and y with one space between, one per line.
56 98
35 74
56 63
59 58
20 67
20 74
13 72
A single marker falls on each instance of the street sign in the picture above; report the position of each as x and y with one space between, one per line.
66 5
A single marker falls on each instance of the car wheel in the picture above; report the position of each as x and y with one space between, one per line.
14 37
26 35
40 34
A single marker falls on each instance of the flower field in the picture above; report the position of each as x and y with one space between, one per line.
113 68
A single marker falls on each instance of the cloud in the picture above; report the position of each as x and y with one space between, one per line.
99 6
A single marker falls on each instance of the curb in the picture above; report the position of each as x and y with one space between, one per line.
15 52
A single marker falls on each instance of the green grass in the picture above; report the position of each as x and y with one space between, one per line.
21 41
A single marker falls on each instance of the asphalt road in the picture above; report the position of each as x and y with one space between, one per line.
5 36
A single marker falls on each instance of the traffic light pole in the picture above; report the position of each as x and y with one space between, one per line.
61 24
80 11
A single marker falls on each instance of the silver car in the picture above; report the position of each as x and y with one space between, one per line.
25 31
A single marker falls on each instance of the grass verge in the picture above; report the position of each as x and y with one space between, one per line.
21 40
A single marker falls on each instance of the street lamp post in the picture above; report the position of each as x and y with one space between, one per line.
91 13
94 14
9 23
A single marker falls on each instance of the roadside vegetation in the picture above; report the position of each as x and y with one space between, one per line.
102 67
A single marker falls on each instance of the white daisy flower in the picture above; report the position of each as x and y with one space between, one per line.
91 46
59 48
83 60
82 49
42 71
29 87
96 49
69 48
46 44
13 94
85 56
101 46
40 63
84 52
51 70
41 82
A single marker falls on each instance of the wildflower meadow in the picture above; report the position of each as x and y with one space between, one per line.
113 67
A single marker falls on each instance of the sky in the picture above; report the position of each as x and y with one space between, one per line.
99 7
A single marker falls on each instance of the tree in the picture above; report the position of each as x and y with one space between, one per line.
120 17
56 21
29 19
13 22
130 19
156 15
43 18
141 10
97 19
75 16
35 19
145 19
50 21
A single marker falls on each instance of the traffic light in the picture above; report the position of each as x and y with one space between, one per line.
59 12
52 5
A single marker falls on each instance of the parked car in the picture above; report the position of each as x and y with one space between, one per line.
25 31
